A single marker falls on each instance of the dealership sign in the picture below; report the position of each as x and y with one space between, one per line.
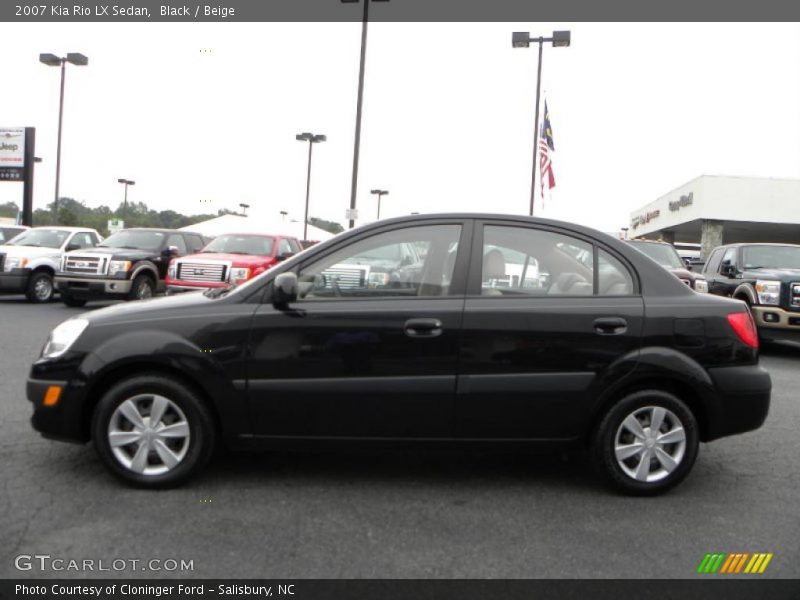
12 153
645 218
678 204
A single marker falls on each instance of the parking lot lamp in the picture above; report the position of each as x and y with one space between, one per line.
311 139
51 60
380 194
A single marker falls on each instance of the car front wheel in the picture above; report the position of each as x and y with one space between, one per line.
153 431
142 288
646 443
40 288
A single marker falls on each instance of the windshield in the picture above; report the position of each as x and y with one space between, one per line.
663 254
241 244
138 240
42 238
774 257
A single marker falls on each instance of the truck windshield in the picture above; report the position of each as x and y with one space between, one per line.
663 254
241 244
42 238
135 239
772 257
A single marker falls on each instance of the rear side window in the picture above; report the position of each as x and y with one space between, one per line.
614 278
520 261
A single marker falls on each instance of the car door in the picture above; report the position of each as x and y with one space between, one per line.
370 347
549 318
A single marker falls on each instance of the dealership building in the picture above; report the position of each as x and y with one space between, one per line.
716 210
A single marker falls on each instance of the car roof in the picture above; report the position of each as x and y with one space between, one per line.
742 244
156 230
648 242
64 228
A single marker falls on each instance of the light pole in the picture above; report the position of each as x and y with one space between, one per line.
523 39
244 208
359 103
380 194
51 60
311 139
283 216
126 183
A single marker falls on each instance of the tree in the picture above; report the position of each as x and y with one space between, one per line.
9 209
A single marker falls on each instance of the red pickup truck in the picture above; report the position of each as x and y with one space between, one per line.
232 258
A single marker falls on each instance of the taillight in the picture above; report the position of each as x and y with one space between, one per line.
744 326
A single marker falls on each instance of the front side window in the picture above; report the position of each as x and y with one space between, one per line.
82 240
713 261
177 240
533 262
386 265
728 260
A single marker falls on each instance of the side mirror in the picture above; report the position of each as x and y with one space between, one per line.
727 269
284 256
170 251
71 247
285 290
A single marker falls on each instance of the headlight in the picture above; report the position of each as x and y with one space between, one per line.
701 285
769 292
172 270
115 266
378 279
238 274
15 262
63 336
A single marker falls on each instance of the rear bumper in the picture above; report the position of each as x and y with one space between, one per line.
92 287
15 280
742 404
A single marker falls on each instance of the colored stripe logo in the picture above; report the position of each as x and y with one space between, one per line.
734 563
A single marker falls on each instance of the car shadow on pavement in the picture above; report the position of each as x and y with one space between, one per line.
782 349
390 467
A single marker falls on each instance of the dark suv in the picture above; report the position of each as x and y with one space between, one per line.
512 329
767 278
130 264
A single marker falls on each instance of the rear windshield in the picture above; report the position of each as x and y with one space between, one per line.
663 254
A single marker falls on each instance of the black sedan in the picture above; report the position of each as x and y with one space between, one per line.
511 330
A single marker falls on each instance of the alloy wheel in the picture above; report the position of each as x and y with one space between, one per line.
149 434
650 443
43 288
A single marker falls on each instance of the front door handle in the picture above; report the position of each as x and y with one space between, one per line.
610 326
422 328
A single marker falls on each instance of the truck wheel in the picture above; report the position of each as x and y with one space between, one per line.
72 300
152 431
142 288
40 287
646 443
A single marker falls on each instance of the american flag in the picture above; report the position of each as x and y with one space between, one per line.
545 148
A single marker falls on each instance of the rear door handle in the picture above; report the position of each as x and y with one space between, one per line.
610 326
423 328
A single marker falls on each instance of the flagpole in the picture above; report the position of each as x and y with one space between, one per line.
536 125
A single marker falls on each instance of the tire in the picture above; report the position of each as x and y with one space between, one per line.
72 300
124 413
631 474
142 288
40 288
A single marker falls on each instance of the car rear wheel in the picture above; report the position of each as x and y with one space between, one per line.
40 288
153 431
142 288
72 300
646 443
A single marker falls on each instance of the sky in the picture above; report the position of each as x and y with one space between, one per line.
203 116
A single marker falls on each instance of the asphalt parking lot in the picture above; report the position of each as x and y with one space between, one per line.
392 513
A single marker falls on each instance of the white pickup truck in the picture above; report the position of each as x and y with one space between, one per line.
29 261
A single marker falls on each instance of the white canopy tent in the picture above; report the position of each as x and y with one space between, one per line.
236 224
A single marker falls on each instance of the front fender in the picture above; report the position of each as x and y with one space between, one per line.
150 349
746 289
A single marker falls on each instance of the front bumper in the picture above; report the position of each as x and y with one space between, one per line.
62 421
15 280
742 403
173 288
91 286
783 324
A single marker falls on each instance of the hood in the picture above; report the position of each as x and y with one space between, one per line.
781 274
236 260
122 253
131 311
686 274
29 251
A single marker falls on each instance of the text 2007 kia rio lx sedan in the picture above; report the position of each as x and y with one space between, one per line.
457 327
